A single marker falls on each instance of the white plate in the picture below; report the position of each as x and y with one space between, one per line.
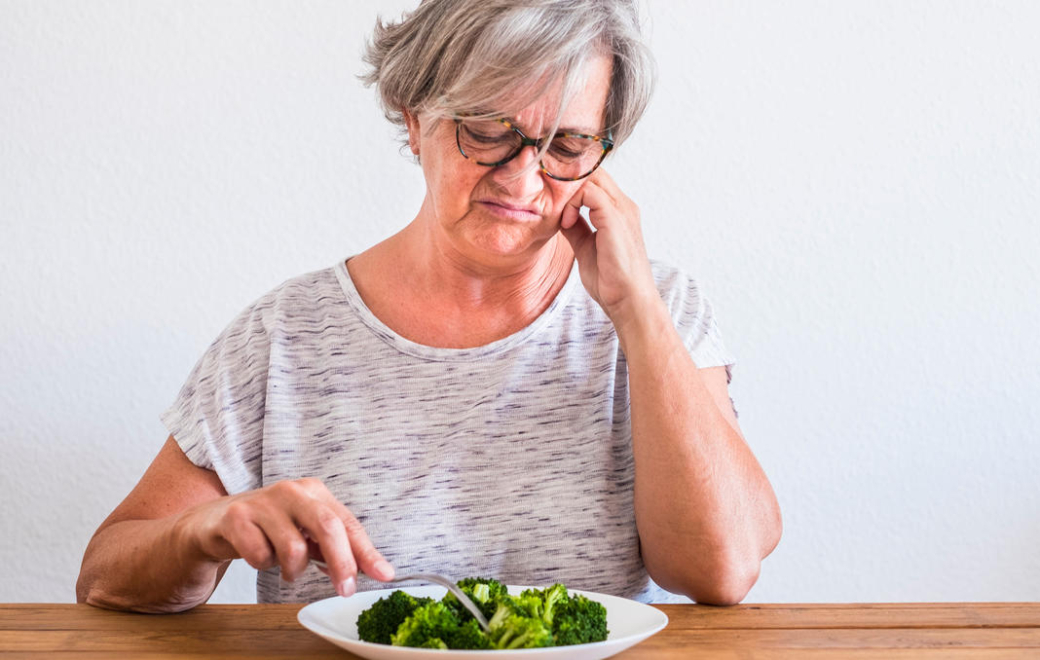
335 619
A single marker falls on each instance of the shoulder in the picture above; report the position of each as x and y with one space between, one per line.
680 291
306 290
288 310
298 297
694 315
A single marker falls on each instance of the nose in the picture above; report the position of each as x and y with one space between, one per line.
522 176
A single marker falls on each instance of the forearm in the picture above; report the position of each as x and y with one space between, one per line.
147 566
704 508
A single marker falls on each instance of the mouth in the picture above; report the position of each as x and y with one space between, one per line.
510 211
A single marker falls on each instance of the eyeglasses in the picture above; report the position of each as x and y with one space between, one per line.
494 142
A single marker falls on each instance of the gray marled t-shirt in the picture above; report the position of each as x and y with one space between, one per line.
511 460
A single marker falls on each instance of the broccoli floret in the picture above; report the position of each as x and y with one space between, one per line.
503 611
548 600
535 618
483 588
381 620
428 622
485 592
517 622
578 620
469 635
527 605
521 632
433 643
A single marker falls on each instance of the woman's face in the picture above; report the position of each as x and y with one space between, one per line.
489 215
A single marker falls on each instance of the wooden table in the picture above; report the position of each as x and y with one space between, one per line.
952 631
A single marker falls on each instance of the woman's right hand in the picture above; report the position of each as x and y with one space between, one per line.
167 545
286 524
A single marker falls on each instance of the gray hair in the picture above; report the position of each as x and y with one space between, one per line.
486 58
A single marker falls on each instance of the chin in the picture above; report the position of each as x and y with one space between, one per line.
504 238
503 248
508 242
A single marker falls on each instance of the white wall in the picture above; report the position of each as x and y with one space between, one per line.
856 184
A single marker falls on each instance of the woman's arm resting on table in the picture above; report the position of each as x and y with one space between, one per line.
705 510
166 546
141 557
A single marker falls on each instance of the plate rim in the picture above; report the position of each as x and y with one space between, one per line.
325 602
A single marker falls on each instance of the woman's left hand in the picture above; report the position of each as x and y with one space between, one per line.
612 259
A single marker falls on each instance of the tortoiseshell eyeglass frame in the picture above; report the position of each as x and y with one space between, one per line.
525 141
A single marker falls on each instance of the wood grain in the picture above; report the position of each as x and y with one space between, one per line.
954 631
866 615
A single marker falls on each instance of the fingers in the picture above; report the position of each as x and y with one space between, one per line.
577 234
289 522
342 542
247 538
601 195
605 190
572 210
320 523
371 562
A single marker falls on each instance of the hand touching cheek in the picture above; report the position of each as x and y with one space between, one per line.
611 255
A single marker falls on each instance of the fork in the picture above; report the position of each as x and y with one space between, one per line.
445 582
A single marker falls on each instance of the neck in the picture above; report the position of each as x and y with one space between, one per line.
439 298
520 285
523 286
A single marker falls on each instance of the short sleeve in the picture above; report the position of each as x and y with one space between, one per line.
694 318
218 416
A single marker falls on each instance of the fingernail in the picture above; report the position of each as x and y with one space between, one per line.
384 568
347 587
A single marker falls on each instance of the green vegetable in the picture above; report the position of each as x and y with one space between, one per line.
430 624
520 632
579 620
379 622
535 618
469 635
433 643
485 592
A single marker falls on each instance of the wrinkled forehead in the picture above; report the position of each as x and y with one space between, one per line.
576 102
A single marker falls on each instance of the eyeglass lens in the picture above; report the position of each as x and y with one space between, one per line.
492 143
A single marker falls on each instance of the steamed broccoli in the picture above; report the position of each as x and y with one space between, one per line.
519 621
579 620
528 604
534 618
485 592
469 635
521 632
434 643
543 603
429 622
379 622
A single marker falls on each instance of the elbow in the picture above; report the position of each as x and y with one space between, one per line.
727 585
85 585
96 592
90 585
90 592
82 591
722 580
729 578
717 573
101 599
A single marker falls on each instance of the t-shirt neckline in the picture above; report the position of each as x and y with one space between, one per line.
407 346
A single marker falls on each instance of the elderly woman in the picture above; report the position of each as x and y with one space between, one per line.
506 387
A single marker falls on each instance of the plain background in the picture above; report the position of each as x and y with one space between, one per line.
855 184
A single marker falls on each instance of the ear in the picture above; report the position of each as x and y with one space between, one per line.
411 122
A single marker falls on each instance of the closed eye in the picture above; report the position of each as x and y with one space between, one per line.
489 137
568 148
